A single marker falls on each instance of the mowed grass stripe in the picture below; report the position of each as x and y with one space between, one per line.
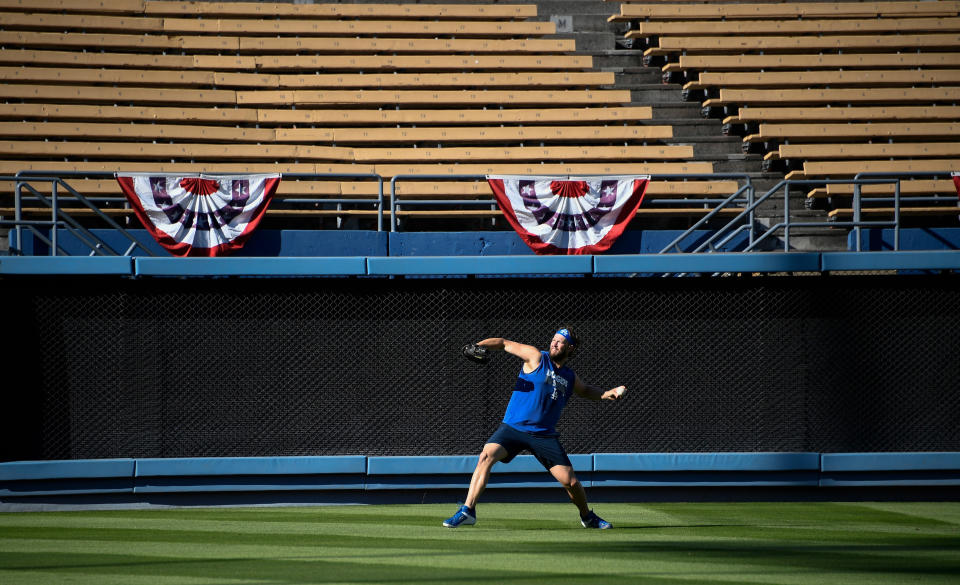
688 543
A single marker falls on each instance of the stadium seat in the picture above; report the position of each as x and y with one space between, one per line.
771 10
317 88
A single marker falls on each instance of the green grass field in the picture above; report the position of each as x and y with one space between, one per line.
525 544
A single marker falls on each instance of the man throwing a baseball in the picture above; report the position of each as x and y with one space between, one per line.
543 387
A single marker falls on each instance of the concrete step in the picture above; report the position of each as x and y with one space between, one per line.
695 130
671 110
589 41
643 77
703 149
567 22
652 94
547 7
614 58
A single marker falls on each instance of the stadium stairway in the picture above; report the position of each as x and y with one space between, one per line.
586 22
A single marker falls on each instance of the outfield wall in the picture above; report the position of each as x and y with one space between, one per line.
156 367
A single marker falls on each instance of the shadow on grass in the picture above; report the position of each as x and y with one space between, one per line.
620 561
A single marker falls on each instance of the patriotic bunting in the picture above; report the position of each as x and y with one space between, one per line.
569 215
956 181
199 215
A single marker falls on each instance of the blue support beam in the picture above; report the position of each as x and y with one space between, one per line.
473 265
709 263
927 260
287 266
345 266
66 265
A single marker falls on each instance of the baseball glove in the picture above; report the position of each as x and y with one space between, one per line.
476 353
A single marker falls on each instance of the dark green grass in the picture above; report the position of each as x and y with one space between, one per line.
790 543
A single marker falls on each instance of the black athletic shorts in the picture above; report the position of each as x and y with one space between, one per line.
546 448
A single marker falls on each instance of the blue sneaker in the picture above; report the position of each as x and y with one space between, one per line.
591 520
463 517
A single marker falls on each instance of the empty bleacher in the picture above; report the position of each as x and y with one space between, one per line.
823 90
426 89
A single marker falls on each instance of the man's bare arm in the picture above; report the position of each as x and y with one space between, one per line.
596 393
529 354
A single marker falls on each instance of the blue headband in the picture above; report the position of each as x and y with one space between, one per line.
566 335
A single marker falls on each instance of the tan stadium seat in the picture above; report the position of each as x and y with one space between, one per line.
900 96
739 44
465 117
299 26
817 169
810 10
311 63
46 75
139 132
779 79
866 113
529 153
336 117
888 212
75 6
11 167
434 97
866 151
831 132
112 95
266 152
248 45
144 95
763 27
399 11
907 188
814 61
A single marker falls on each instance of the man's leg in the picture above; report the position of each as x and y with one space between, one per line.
564 474
568 479
492 452
467 515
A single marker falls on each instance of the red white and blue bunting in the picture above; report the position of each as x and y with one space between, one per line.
199 215
956 181
569 215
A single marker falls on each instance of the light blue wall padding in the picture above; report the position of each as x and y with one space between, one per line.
250 474
708 263
251 466
919 461
487 266
493 265
69 265
462 464
359 473
345 266
454 472
73 469
706 461
929 260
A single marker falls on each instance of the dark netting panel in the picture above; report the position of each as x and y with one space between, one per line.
244 367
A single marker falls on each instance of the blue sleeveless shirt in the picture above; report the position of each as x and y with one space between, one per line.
539 397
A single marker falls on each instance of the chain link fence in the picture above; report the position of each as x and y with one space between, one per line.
269 367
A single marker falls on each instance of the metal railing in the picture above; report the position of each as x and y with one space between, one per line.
744 220
743 195
60 217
